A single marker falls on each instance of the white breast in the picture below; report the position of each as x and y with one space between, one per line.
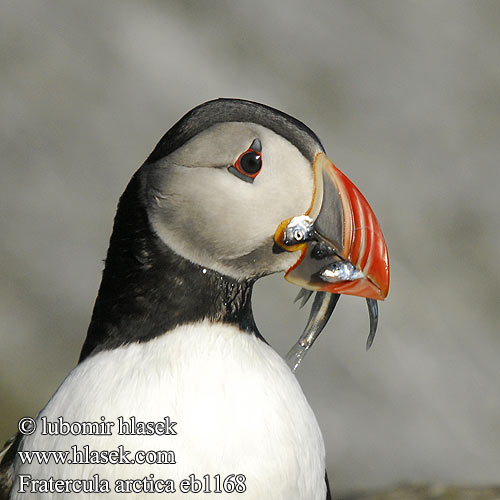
238 408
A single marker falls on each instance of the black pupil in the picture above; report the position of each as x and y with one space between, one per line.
251 162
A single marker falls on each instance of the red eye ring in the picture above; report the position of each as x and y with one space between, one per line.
249 163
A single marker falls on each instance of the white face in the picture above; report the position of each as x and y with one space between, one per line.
211 217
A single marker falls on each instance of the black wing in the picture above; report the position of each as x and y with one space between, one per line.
7 456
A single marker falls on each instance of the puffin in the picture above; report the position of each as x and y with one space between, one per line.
176 393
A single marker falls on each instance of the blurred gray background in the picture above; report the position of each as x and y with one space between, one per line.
405 96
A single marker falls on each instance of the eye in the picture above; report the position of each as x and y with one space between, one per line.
249 164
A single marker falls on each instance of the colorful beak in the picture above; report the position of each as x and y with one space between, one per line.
343 250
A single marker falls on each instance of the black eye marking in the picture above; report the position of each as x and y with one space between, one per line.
241 176
256 146
249 163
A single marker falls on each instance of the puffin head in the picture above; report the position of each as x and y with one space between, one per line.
224 194
234 191
218 198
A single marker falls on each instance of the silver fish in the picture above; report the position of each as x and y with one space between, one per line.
323 306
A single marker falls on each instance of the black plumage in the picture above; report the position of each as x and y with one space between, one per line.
236 110
147 289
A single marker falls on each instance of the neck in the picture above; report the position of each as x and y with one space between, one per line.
147 289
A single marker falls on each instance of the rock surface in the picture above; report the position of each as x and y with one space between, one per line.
428 492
